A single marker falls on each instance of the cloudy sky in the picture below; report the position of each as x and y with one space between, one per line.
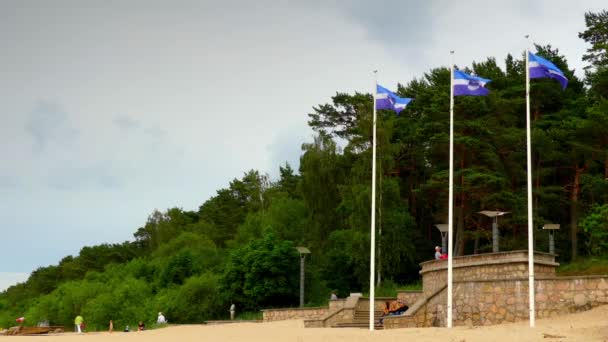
111 109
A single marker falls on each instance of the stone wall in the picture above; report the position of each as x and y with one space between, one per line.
270 315
427 311
345 312
495 302
409 297
331 319
379 303
337 304
493 288
490 266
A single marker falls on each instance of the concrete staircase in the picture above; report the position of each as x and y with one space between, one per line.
361 320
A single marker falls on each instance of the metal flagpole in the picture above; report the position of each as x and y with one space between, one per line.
372 259
530 223
451 192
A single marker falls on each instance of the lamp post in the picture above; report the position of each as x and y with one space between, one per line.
303 251
495 234
551 227
443 229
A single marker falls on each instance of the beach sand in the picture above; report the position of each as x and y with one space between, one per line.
584 327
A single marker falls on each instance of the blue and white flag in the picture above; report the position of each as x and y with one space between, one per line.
386 99
465 84
541 68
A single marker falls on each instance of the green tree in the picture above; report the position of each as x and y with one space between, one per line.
595 225
263 273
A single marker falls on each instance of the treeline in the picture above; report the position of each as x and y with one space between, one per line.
238 247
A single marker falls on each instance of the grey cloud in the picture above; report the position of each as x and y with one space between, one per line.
196 82
286 148
399 25
69 178
8 182
48 123
126 122
156 132
132 126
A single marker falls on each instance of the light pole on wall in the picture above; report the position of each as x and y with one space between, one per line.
495 234
551 227
302 251
443 229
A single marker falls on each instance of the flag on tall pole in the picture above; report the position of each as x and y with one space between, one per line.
383 99
542 68
536 67
451 193
386 99
465 84
461 84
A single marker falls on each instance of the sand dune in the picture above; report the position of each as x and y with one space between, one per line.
584 327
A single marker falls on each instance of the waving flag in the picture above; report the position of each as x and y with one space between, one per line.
386 99
465 84
542 68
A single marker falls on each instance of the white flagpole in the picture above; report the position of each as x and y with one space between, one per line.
451 192
372 259
530 212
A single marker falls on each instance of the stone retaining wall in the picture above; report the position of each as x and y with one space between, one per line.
495 302
336 304
345 312
409 297
491 266
493 288
379 303
270 315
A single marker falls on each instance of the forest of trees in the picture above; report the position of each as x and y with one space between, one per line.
238 247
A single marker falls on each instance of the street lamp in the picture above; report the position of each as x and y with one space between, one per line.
443 229
551 227
303 251
495 235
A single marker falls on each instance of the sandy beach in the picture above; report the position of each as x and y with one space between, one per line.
584 327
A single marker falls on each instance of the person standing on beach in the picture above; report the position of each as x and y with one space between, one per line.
78 323
111 327
161 319
232 311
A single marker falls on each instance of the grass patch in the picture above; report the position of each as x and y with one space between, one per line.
417 286
249 316
586 266
389 288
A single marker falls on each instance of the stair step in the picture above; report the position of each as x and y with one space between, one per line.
377 326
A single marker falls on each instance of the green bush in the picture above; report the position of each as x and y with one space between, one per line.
198 299
595 225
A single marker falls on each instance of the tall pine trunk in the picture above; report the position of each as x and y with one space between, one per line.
459 248
379 280
576 190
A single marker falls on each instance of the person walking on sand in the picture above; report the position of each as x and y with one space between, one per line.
78 321
111 327
232 311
